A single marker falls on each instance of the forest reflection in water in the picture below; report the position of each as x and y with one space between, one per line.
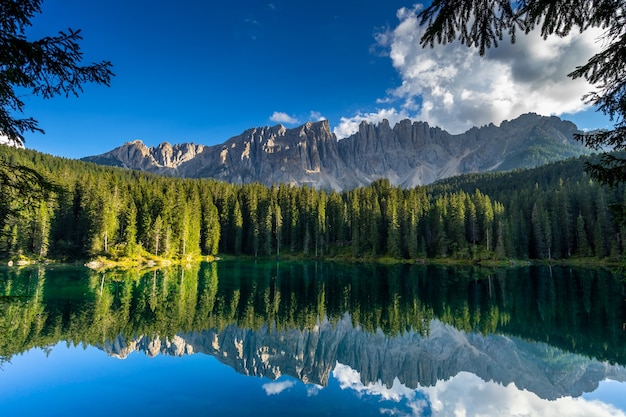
556 332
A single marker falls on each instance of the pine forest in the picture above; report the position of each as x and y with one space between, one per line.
552 212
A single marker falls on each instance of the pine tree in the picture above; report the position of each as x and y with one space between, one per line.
211 230
393 229
602 230
373 218
278 226
130 229
320 224
471 222
110 217
157 236
583 248
194 222
41 230
355 223
500 246
413 236
267 225
238 225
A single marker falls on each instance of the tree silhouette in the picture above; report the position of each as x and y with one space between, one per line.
47 67
485 23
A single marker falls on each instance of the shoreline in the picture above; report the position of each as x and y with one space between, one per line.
103 263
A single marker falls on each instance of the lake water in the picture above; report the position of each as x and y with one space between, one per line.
287 338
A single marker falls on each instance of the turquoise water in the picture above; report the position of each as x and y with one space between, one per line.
268 338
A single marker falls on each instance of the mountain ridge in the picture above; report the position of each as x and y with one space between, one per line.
410 153
416 360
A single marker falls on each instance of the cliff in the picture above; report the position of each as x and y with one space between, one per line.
409 154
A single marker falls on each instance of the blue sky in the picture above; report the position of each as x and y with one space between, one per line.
202 72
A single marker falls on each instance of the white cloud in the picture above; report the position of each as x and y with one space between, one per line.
281 117
406 398
451 86
274 388
350 125
348 378
316 116
4 140
467 395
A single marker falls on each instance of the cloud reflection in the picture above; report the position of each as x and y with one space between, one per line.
467 395
276 387
411 402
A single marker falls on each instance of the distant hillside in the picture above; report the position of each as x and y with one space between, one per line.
409 154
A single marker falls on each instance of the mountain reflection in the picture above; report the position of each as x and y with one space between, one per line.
553 331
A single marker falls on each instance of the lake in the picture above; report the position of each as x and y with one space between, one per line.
313 338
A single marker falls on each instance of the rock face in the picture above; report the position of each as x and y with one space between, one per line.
121 348
271 155
409 154
415 360
163 159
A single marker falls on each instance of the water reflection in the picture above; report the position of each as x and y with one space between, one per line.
431 339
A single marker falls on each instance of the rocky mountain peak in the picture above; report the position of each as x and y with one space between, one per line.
410 153
319 131
170 156
152 346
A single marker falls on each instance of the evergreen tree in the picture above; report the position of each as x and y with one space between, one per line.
413 235
47 67
156 234
41 230
393 230
541 244
583 248
320 224
355 223
237 221
211 230
129 229
278 226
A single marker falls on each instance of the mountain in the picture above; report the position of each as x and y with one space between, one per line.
409 154
415 360
162 159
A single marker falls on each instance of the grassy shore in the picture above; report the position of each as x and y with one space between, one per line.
105 262
147 261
